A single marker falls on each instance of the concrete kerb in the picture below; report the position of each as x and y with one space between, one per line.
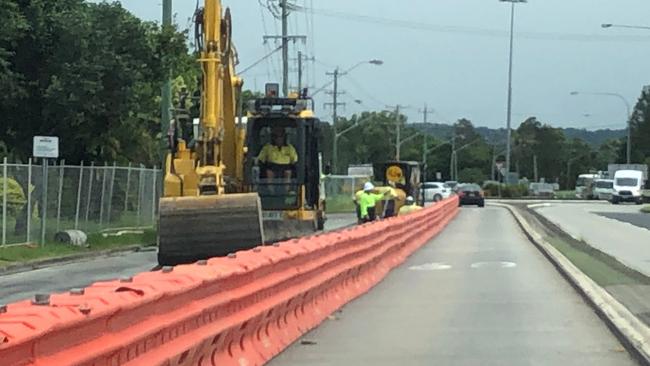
50 262
632 332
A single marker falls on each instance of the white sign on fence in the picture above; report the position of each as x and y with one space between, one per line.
46 147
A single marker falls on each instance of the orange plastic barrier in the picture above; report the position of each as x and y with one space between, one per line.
239 310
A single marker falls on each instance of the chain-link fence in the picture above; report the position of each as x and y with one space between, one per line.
340 189
88 198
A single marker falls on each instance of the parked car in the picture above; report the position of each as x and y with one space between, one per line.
452 184
542 190
603 189
435 191
471 194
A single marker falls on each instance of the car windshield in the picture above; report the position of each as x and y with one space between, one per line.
604 184
581 182
627 182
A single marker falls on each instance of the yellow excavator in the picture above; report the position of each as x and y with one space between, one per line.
211 206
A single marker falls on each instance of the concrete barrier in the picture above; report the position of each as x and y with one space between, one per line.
238 310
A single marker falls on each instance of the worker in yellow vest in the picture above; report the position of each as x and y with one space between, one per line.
409 207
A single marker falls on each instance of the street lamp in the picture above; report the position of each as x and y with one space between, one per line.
368 62
610 25
509 107
629 117
338 135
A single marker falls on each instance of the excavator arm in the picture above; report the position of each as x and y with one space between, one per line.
205 212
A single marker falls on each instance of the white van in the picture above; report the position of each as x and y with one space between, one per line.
628 186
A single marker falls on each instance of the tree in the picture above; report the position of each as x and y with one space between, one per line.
91 74
640 128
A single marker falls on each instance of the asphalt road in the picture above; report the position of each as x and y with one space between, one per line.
58 278
595 225
478 294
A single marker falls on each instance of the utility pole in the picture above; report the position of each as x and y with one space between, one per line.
452 163
335 104
536 176
299 72
425 114
285 48
398 131
166 92
285 38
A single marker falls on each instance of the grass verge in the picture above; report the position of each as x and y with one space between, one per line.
646 209
98 242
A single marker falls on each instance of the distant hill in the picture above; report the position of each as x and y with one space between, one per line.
495 136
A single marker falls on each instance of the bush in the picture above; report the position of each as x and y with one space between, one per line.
505 190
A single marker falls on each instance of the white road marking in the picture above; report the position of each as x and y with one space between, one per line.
431 267
494 265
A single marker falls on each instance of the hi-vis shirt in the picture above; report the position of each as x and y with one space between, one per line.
282 155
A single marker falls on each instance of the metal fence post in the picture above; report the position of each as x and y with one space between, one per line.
140 189
111 185
29 200
79 188
44 163
90 191
153 197
58 202
128 186
101 202
4 201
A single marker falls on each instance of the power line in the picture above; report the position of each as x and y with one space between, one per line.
472 31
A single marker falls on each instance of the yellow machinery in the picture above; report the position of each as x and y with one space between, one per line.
205 211
404 177
291 206
218 198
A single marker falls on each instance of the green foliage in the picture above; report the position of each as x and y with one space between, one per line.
89 73
16 198
514 191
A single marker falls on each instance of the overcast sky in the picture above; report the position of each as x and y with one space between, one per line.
453 54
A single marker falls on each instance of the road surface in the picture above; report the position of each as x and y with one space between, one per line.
602 227
63 277
478 294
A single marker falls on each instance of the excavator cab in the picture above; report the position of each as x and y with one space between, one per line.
289 190
405 179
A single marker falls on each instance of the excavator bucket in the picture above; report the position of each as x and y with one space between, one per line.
195 228
275 231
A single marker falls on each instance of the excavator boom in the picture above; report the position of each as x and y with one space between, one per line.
205 211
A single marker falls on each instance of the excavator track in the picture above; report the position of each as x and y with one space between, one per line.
195 228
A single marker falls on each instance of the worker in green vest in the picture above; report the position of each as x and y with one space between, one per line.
367 201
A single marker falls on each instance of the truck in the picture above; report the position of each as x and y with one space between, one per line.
613 168
584 185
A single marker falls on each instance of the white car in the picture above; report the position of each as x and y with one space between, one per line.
436 191
603 189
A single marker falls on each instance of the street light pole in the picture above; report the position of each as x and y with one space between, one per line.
628 109
609 25
510 61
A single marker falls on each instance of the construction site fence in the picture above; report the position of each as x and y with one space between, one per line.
38 200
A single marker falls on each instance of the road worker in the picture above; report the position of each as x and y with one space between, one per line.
278 157
367 201
409 207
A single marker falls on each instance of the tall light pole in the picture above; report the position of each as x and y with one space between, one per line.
628 117
509 107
